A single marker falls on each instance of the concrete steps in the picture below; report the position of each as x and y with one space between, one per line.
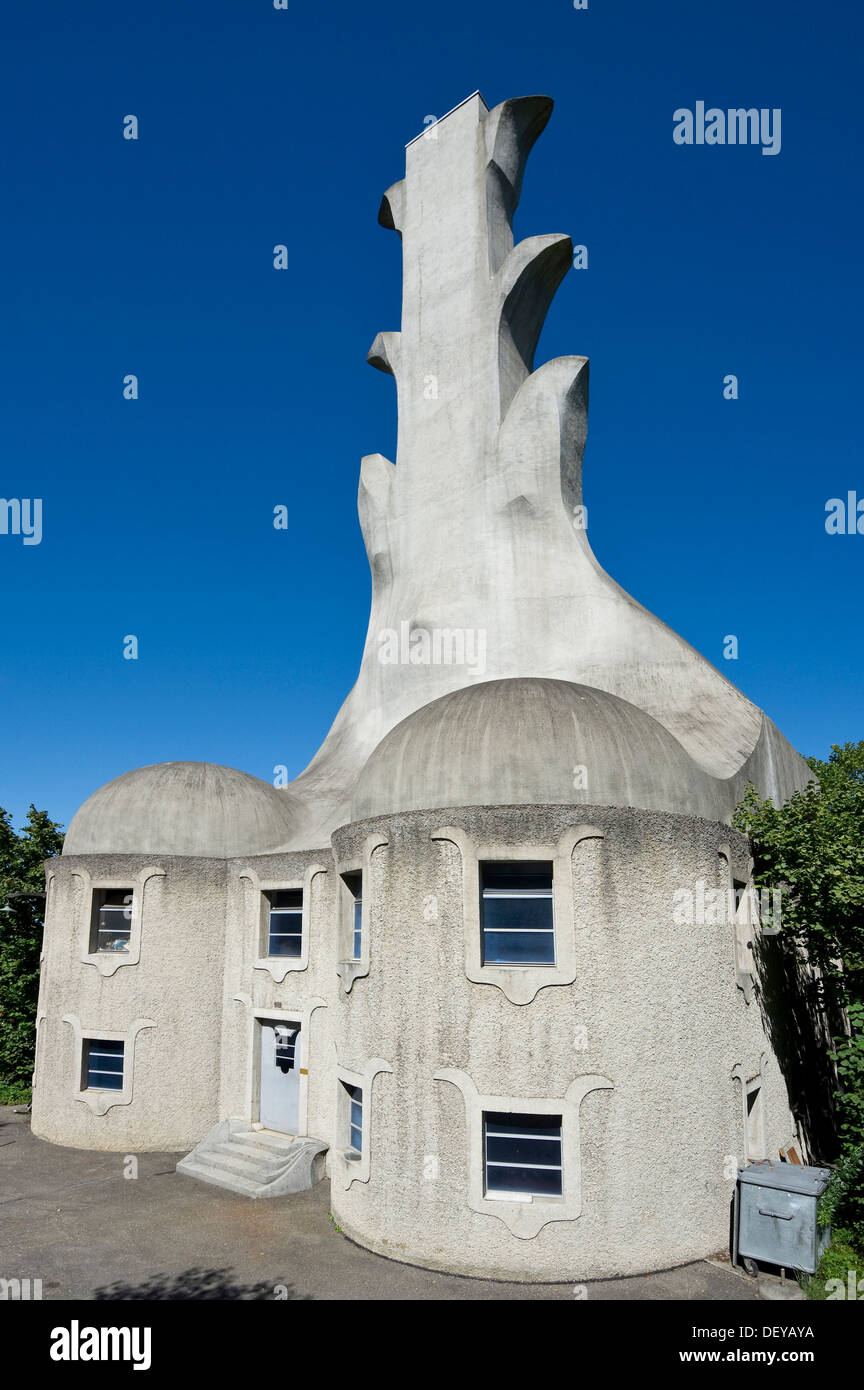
255 1162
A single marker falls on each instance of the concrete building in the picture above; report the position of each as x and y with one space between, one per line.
464 963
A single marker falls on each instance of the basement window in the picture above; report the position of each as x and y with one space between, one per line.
285 922
103 1065
111 920
522 1156
516 916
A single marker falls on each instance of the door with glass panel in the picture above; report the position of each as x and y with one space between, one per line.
279 1072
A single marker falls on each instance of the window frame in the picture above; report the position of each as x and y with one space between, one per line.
354 1118
525 1214
256 914
350 1165
98 907
521 983
350 967
519 895
87 1052
109 962
493 1194
97 1100
354 903
272 910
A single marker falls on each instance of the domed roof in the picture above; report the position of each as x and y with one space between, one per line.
197 809
521 742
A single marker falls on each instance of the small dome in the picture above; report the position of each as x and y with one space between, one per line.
523 742
198 809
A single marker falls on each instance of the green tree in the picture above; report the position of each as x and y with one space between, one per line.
813 849
22 903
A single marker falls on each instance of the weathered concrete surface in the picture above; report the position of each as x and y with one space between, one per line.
183 808
651 1007
663 1020
198 981
536 742
178 986
475 528
475 531
71 1219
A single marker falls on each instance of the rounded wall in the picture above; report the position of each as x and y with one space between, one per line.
163 998
640 1049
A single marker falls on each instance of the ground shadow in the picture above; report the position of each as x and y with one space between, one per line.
195 1284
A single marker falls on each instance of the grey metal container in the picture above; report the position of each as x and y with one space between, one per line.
777 1220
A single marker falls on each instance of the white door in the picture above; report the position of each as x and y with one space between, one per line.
279 1069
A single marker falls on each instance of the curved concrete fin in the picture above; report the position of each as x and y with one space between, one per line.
527 283
544 432
373 508
390 213
384 353
573 402
511 130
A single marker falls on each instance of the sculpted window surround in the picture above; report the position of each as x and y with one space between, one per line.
752 1100
258 914
109 962
351 967
100 1102
349 1164
527 1215
744 910
520 983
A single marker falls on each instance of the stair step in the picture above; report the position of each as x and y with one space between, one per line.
231 1162
254 1162
265 1157
266 1139
232 1182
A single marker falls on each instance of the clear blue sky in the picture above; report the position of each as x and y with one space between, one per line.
260 126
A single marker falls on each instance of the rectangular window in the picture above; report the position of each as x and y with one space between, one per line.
516 913
103 1065
285 922
354 883
522 1155
355 1117
111 920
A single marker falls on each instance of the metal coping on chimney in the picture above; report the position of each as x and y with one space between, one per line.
478 93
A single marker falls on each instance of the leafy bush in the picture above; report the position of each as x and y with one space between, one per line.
22 890
16 1094
842 1202
842 1255
813 849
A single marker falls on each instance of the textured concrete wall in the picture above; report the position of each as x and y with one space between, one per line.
177 985
197 981
663 1018
476 528
248 989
